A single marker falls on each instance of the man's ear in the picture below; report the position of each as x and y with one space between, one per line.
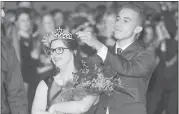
138 29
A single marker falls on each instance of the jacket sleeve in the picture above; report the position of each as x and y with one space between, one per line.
16 94
140 65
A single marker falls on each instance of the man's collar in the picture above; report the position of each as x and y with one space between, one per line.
122 47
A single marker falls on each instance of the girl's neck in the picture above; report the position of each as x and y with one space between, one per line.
67 70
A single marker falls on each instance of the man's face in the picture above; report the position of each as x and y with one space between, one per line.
126 23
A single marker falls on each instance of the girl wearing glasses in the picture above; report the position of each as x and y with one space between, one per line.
63 54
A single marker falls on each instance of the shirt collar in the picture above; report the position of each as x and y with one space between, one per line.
122 47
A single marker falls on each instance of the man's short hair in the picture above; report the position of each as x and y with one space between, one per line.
137 8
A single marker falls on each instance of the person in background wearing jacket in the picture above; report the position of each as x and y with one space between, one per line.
13 94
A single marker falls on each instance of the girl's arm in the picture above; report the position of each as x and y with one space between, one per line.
81 106
40 99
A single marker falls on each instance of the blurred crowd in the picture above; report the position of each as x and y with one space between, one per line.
25 27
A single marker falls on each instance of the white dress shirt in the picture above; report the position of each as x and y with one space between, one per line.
103 51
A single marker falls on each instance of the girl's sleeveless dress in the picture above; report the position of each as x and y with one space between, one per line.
54 92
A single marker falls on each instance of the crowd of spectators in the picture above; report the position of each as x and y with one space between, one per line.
25 27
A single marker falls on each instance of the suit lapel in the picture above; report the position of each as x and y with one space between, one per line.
131 48
134 46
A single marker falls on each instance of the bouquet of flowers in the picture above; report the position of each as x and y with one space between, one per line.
90 81
96 80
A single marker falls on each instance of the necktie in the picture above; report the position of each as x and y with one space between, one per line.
119 50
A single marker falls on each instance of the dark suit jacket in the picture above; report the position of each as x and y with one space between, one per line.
134 67
13 94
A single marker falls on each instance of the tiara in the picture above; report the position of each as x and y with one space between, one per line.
56 34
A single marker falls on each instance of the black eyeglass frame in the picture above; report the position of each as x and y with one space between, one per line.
50 50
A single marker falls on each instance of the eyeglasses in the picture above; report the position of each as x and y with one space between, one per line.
58 50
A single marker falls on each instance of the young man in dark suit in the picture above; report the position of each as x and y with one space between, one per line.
13 94
132 61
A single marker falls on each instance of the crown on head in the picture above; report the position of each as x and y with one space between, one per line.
56 34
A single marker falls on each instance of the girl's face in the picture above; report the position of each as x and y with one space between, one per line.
24 22
48 23
63 56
